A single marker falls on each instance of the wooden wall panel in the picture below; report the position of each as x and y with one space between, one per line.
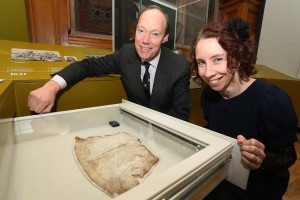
49 22
40 21
247 10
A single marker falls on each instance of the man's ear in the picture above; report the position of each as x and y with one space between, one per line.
165 39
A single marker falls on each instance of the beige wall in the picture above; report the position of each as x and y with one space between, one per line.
279 44
13 22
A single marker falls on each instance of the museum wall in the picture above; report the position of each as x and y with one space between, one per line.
13 20
279 44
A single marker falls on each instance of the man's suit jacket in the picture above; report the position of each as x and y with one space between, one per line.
170 93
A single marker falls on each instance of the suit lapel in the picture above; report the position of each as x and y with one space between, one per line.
162 75
133 73
134 77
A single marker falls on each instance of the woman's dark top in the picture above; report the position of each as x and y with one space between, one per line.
263 112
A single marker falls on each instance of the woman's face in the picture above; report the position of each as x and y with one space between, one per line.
212 64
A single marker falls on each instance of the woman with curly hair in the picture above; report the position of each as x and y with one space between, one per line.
259 115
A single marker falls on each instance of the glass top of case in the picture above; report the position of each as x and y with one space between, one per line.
44 161
45 147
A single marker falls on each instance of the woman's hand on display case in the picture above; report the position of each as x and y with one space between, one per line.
42 99
252 152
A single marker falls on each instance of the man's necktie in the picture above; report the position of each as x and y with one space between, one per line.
146 78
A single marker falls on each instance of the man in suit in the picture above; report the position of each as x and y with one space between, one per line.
168 84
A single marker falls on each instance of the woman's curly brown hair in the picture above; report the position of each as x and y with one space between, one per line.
233 36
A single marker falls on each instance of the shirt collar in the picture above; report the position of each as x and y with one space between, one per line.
155 61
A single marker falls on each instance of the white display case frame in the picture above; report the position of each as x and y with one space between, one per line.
216 156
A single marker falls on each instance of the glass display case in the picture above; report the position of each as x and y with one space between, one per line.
38 160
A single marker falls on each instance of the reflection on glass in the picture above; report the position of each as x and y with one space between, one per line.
93 16
190 17
45 148
96 17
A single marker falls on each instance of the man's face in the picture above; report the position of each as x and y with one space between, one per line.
150 34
